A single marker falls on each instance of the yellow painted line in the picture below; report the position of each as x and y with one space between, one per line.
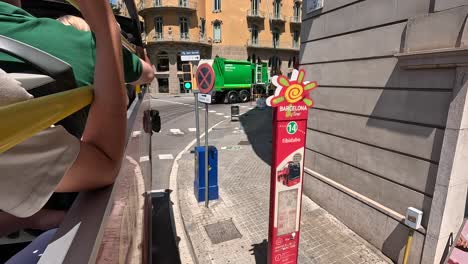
24 119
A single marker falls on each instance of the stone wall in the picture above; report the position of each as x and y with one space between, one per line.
377 130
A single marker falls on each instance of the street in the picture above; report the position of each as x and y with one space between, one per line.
178 130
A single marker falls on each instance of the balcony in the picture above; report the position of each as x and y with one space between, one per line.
255 14
160 38
188 6
277 18
261 44
295 20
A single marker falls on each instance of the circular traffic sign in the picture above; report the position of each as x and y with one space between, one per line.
205 78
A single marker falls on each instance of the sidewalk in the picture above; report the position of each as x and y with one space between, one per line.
238 221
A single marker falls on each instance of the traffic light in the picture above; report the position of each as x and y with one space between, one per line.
188 85
187 76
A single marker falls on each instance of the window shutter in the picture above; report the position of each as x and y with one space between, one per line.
217 32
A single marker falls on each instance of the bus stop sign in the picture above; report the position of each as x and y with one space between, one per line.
205 78
291 104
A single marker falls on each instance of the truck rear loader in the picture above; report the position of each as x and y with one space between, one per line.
236 80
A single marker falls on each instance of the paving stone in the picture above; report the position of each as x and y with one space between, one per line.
244 182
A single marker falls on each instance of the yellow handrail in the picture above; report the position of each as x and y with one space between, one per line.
125 42
22 120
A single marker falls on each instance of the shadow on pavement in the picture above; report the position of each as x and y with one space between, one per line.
257 125
260 252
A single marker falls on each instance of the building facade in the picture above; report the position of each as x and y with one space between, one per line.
388 130
255 30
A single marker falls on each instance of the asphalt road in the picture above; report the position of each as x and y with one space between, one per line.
178 130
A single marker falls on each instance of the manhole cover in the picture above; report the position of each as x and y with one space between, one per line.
222 231
243 143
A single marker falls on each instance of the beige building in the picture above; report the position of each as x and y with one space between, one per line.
266 30
389 128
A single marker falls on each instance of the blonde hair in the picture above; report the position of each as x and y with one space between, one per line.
74 21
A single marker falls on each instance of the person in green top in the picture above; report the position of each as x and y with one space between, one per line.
75 47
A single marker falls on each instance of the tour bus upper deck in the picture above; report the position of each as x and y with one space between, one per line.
92 219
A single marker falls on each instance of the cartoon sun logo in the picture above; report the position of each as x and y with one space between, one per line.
290 92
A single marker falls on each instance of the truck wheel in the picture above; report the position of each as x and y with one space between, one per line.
244 96
232 97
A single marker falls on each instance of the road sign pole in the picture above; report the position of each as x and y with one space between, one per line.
205 82
207 186
197 117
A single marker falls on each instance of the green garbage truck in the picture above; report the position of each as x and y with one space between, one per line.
236 80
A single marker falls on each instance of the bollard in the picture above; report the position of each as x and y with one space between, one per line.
235 112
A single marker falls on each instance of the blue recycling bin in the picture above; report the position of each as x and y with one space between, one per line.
199 183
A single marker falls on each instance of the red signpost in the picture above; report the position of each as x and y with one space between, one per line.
291 104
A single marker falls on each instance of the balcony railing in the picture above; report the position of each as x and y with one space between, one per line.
184 37
264 44
255 13
295 20
190 5
277 17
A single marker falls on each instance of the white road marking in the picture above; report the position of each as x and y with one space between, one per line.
167 101
226 116
219 114
192 129
176 131
144 158
212 111
35 251
136 133
250 108
166 156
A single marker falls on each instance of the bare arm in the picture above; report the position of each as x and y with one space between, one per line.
147 73
103 141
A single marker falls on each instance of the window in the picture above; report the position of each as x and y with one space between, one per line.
184 29
202 29
158 27
216 5
297 12
277 9
183 3
296 36
163 85
162 61
157 2
254 35
276 38
217 31
275 63
179 62
255 7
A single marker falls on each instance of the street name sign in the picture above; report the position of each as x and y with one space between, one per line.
291 104
190 58
204 98
190 55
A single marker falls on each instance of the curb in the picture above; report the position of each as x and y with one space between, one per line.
186 251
